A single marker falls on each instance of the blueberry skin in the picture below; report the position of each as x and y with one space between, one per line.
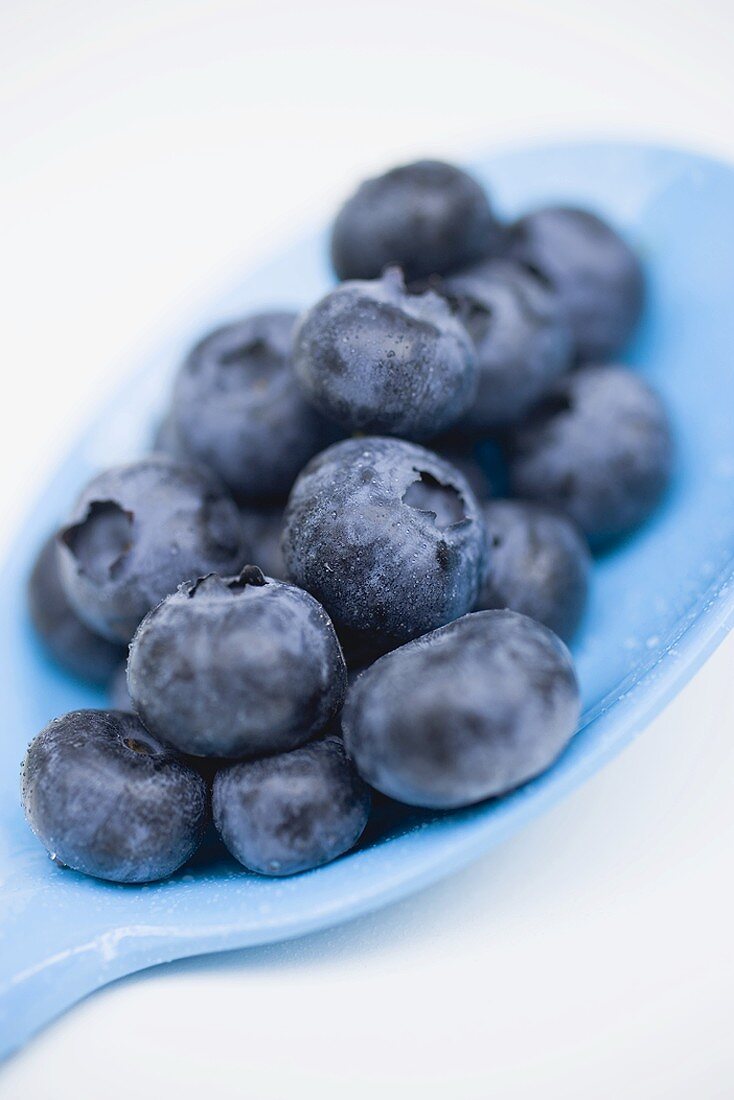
236 667
105 798
291 812
374 358
598 447
427 216
263 528
465 713
138 531
238 409
388 537
70 643
522 341
595 274
540 565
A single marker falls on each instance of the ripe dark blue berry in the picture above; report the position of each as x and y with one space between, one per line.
427 216
540 565
465 713
238 409
236 667
596 276
388 537
105 798
291 812
136 533
67 639
598 447
523 343
374 358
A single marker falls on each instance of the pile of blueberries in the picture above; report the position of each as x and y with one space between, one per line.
318 606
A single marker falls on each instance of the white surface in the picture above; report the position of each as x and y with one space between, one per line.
145 148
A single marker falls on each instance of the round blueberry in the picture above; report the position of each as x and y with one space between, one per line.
540 565
236 667
522 342
466 713
291 812
376 359
427 216
596 276
238 409
263 528
598 447
65 637
136 533
105 798
388 537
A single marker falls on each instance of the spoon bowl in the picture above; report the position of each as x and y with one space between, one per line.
659 603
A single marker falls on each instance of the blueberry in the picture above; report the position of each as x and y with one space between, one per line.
136 533
376 359
465 713
263 528
388 537
595 274
68 641
540 565
522 341
427 216
105 798
236 667
291 812
238 409
599 447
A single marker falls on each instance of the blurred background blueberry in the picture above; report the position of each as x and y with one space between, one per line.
428 217
595 274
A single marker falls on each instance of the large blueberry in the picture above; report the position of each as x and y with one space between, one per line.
236 667
376 359
599 447
427 216
291 812
67 639
136 533
595 274
105 798
238 408
465 713
388 537
263 528
540 565
522 341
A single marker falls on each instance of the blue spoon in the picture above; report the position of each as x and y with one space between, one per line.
659 604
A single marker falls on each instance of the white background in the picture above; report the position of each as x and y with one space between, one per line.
146 147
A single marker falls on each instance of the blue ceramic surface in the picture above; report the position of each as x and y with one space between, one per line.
659 603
